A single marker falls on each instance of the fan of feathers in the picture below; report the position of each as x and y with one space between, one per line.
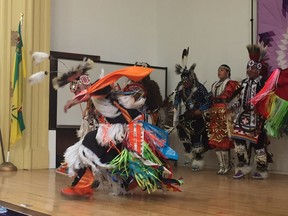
73 74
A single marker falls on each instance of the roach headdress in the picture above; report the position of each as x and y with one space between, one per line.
73 74
183 70
258 57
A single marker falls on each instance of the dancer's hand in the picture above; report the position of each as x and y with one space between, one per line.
69 104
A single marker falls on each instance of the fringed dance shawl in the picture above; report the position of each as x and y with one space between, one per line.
272 103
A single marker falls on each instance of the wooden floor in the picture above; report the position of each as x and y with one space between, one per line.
204 193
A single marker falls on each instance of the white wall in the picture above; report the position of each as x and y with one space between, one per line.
156 31
217 32
120 31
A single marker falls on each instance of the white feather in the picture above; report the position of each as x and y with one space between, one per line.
37 77
38 57
102 73
73 159
198 164
110 133
105 108
91 159
128 101
78 156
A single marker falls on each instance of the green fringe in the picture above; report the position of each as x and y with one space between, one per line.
145 176
126 164
120 163
148 154
278 115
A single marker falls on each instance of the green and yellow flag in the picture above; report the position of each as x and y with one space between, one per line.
19 73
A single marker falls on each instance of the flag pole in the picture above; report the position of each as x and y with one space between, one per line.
6 165
9 139
2 147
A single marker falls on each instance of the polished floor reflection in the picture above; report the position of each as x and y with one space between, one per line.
203 193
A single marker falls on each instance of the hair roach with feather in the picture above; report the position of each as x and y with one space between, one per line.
258 58
180 68
186 75
64 78
73 74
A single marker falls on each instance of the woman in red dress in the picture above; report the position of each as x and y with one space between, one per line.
218 126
